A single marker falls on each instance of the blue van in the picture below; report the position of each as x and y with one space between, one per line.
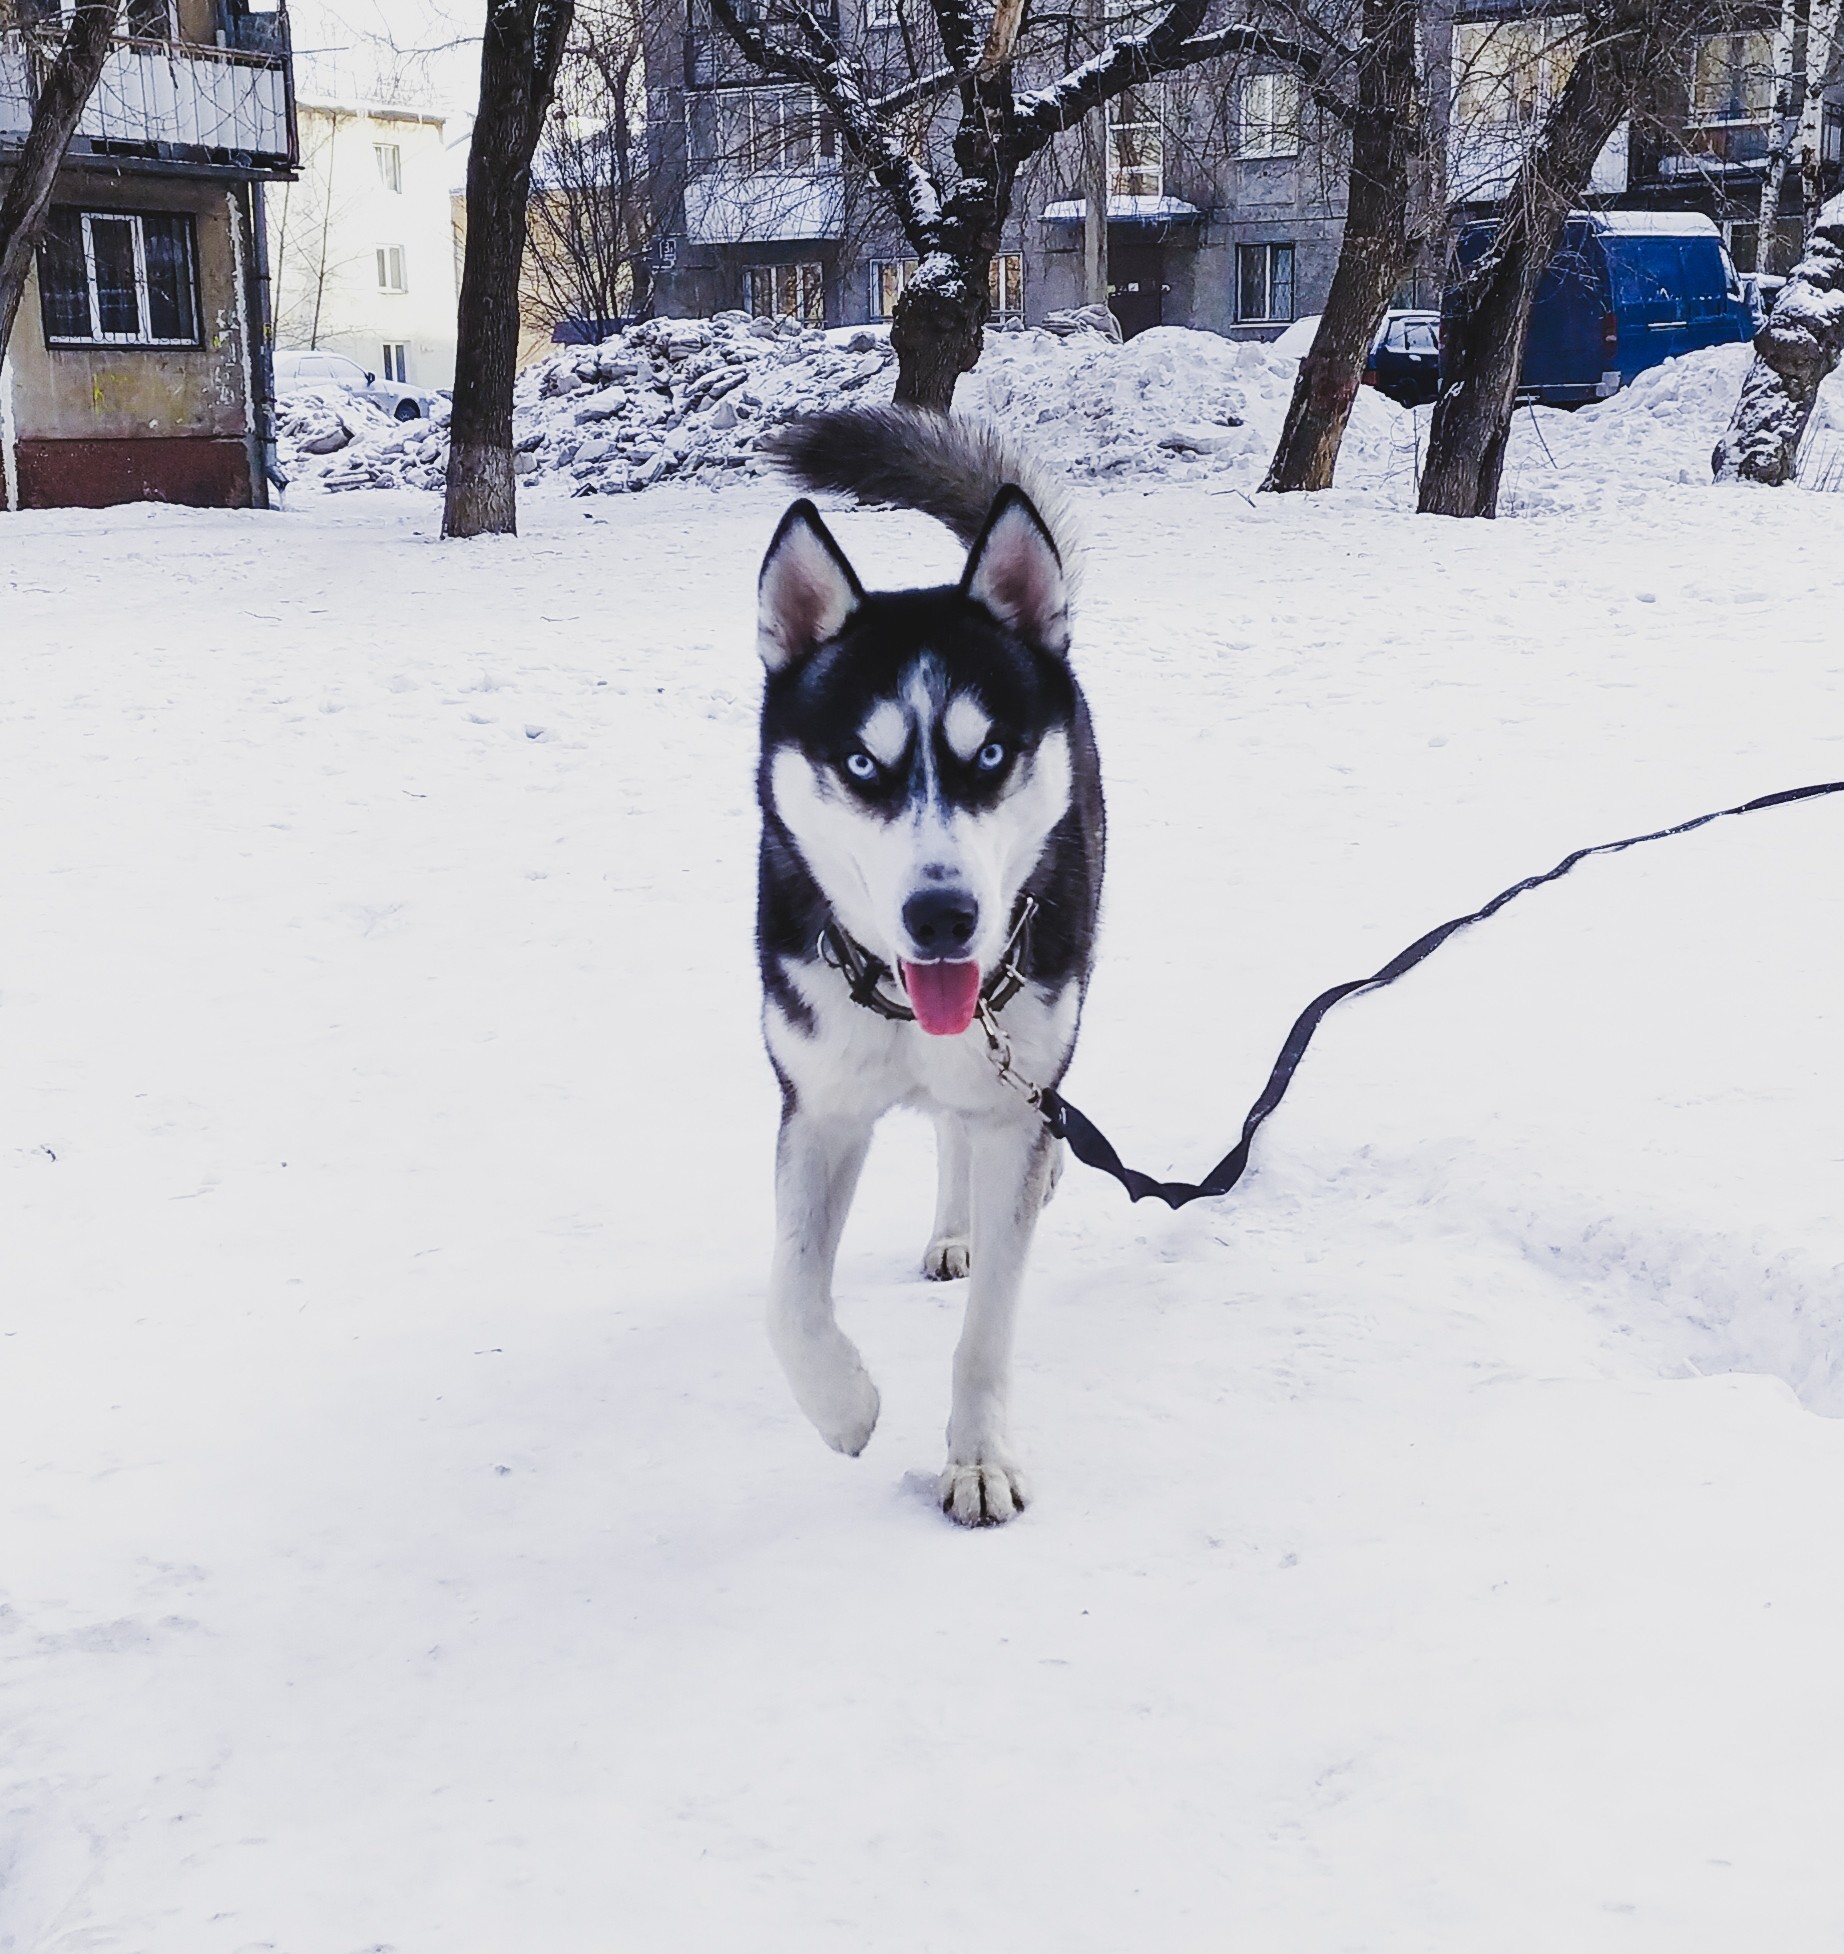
1626 290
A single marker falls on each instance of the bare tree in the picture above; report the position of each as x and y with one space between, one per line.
952 207
1383 235
70 73
1793 353
519 57
591 225
1787 111
1623 43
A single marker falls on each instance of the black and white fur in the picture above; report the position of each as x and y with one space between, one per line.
926 757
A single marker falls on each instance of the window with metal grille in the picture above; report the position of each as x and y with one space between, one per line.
390 269
1264 282
786 292
118 278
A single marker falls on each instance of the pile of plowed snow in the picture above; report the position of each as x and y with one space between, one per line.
678 398
675 398
1657 432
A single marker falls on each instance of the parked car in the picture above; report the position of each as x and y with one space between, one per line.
1404 360
303 372
1626 289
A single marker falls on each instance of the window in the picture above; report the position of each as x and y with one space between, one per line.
390 166
761 130
1005 285
883 13
148 20
390 268
1264 282
1732 79
1507 72
1136 144
786 292
396 361
889 281
1270 119
119 278
1831 143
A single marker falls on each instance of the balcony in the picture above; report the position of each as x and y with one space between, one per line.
764 207
166 102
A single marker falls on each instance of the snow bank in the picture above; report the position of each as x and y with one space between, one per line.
681 398
676 398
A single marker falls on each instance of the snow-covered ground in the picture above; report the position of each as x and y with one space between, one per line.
409 1542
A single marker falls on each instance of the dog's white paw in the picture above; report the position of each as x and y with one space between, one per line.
832 1386
985 1493
947 1258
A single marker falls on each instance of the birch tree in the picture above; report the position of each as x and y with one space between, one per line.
1787 112
519 58
952 209
1794 351
65 85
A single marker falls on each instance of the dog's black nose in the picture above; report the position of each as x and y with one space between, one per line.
941 922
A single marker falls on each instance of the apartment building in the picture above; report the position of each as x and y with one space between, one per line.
362 242
1225 187
137 366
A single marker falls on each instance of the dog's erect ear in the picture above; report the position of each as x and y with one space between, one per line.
1014 570
806 592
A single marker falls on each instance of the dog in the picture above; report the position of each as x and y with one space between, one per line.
930 878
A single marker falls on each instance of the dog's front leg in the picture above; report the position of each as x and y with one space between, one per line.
946 1256
816 1169
1011 1159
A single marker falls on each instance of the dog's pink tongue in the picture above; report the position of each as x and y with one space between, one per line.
943 996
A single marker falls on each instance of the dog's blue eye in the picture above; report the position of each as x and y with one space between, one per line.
992 757
861 766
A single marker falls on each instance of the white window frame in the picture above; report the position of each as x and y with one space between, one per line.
389 159
397 368
144 335
888 272
883 13
1005 285
391 262
1268 121
1145 178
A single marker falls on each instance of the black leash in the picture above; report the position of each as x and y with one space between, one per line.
1090 1145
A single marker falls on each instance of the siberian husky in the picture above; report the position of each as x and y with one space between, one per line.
932 836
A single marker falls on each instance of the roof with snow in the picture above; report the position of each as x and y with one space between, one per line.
1650 223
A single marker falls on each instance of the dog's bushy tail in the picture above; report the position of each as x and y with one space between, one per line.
947 469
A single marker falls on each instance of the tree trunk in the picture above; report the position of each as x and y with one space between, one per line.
1793 352
1787 113
67 86
938 330
1821 52
519 56
1373 259
939 326
1483 341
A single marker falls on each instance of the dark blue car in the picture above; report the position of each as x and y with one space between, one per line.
1626 290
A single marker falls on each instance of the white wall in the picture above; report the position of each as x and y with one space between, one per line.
326 229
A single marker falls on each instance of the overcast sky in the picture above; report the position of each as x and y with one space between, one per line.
425 52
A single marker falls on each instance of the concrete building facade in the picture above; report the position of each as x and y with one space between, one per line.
137 367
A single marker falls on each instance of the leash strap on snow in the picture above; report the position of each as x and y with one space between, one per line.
1090 1145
